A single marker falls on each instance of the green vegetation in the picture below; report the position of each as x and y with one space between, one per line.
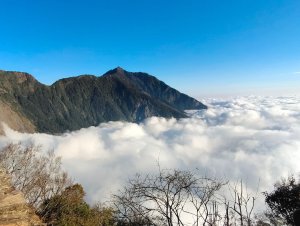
69 208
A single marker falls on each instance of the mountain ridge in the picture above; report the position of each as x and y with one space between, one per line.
87 100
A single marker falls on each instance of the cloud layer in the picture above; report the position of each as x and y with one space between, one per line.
254 138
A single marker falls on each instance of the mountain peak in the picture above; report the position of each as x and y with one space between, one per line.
119 69
116 71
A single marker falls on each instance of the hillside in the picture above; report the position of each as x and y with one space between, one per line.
87 100
13 207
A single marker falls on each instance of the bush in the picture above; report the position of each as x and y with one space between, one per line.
69 208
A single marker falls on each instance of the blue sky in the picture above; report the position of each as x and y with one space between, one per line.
203 48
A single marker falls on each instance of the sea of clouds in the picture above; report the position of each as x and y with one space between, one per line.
256 139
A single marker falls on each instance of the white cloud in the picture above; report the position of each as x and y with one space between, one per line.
253 138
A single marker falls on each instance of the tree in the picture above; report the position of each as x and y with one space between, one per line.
105 216
177 197
173 197
241 204
39 176
69 208
284 200
203 199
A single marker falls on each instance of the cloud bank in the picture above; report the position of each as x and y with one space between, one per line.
254 138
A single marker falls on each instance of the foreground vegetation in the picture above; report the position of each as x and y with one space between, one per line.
170 197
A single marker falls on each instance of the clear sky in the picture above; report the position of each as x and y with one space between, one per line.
201 47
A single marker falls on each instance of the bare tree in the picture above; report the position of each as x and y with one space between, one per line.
204 201
240 206
177 198
173 197
39 176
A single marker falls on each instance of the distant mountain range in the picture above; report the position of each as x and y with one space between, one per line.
73 103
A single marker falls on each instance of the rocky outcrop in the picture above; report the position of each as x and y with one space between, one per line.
13 208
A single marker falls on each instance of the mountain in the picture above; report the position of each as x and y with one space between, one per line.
87 100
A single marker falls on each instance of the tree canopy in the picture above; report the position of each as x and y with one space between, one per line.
284 200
